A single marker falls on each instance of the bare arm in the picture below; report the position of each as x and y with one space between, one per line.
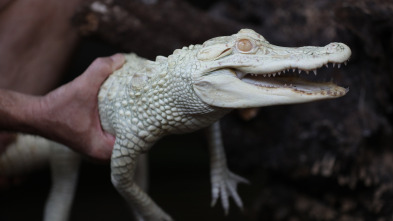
68 114
14 109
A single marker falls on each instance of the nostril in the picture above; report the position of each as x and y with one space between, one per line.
331 48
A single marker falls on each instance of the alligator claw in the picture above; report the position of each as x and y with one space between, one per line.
224 185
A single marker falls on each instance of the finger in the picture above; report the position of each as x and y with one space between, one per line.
118 61
101 146
101 68
109 143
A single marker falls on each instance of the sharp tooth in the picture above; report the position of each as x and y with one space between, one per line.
307 72
274 74
279 73
288 69
241 75
315 72
270 75
283 71
300 71
338 65
327 65
293 69
334 64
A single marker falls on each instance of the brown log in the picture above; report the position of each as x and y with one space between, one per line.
150 29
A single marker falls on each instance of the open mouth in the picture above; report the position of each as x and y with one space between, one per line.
296 79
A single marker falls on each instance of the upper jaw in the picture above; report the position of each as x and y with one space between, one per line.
289 77
277 60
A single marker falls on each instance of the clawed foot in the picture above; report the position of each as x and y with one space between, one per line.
224 184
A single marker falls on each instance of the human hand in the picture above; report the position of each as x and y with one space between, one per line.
71 111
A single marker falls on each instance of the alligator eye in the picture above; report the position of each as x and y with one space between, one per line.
244 45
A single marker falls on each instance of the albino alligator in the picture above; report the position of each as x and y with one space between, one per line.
191 89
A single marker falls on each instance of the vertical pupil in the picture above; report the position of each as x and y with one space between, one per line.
244 45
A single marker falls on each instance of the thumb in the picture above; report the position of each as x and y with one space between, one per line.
101 68
117 61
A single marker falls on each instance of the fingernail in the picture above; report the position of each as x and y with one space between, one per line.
118 60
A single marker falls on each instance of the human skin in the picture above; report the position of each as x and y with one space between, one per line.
68 114
36 42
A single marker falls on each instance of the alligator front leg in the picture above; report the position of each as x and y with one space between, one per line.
224 182
124 161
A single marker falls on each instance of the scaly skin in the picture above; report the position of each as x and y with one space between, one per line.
191 89
140 107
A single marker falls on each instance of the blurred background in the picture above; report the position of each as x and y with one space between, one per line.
328 160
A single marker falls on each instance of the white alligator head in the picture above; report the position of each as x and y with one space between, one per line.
244 70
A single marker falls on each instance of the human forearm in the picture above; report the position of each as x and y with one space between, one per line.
18 112
68 115
59 116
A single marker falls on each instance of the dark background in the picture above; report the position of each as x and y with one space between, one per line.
328 160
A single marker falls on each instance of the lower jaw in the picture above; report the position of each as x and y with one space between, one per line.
297 84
